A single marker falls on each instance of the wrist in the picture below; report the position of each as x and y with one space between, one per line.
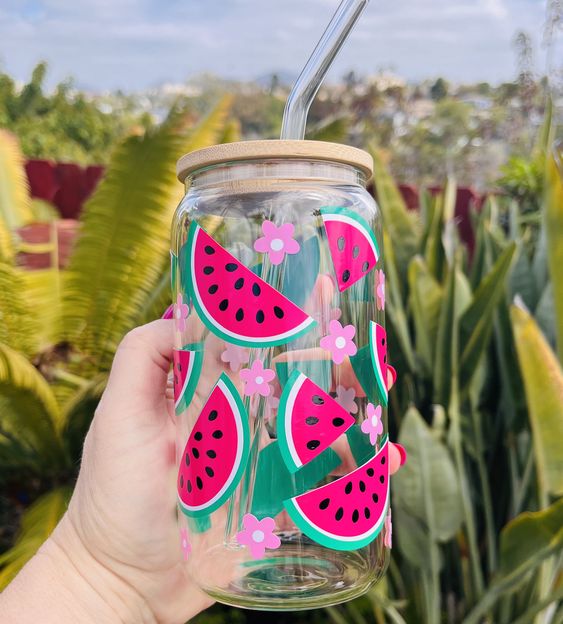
63 582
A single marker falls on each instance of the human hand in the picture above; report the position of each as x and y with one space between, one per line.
115 556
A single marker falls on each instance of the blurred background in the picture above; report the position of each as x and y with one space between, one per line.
459 102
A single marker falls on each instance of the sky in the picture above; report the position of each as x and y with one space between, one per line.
137 44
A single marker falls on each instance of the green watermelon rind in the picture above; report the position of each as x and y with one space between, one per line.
228 336
193 378
352 218
173 269
235 401
380 381
287 399
328 540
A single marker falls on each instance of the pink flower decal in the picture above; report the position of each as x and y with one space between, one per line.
256 379
258 535
277 241
388 539
372 425
186 546
339 341
380 289
345 397
181 311
235 356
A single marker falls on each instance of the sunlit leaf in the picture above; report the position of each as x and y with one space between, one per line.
15 208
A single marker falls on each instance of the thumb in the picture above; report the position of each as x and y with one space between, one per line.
137 381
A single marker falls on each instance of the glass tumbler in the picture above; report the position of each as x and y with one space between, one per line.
280 374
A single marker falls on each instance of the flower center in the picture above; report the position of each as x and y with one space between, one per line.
374 420
258 536
259 380
340 342
276 244
178 313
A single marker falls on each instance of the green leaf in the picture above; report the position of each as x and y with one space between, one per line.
37 524
553 220
29 412
446 347
426 300
332 129
543 382
402 225
528 533
427 487
17 326
15 208
413 539
476 323
522 281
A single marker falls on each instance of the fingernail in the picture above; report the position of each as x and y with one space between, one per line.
169 312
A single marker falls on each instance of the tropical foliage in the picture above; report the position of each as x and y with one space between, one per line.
473 333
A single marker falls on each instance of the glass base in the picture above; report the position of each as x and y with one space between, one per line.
292 582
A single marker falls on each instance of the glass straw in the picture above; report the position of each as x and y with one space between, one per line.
312 75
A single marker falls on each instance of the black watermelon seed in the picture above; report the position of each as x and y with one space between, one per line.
313 444
187 460
199 483
240 314
208 270
239 283
318 400
195 453
213 289
338 422
367 513
231 266
324 503
256 290
355 251
189 486
224 305
375 498
213 415
341 243
339 513
383 342
362 486
370 472
259 316
278 312
365 266
218 434
382 479
383 461
345 276
211 454
198 436
181 481
311 420
355 515
209 250
209 471
348 488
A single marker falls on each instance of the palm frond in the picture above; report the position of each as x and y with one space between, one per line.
37 524
15 207
17 323
30 416
118 258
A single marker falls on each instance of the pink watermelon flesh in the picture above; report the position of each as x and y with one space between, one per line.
378 348
347 513
216 452
309 421
352 244
234 302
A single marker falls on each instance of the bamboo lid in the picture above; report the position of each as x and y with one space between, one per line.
274 149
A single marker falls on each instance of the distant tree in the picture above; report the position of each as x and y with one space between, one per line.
484 88
525 63
350 79
439 90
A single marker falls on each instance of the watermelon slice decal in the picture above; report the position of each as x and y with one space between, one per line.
186 368
347 513
309 421
352 243
378 352
216 453
233 302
